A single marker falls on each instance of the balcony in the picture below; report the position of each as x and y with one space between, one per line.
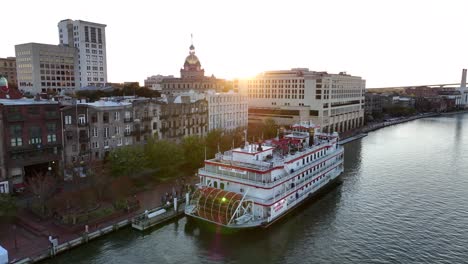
128 120
33 154
146 119
127 133
82 124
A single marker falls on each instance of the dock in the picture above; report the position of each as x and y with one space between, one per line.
158 215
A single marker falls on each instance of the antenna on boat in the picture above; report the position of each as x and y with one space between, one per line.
245 137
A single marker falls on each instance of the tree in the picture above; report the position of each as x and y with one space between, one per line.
127 161
194 152
269 128
99 176
164 156
42 186
7 206
264 130
213 140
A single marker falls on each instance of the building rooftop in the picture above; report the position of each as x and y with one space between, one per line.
25 101
106 104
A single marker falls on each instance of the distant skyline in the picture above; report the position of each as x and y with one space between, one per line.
388 43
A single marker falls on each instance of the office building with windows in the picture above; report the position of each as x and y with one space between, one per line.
227 111
44 67
334 101
90 40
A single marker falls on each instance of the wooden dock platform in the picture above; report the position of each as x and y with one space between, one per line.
158 216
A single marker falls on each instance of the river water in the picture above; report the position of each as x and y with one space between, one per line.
404 199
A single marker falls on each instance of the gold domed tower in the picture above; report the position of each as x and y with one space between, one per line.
192 66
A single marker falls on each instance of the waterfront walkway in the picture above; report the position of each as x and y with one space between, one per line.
31 235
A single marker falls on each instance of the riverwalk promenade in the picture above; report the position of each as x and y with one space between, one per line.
29 244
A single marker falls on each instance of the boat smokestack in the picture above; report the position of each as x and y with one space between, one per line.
281 133
311 136
463 80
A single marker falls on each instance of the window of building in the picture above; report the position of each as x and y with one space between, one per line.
82 119
116 116
95 132
106 132
35 135
51 132
51 138
16 135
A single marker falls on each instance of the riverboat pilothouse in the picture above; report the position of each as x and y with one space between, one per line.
258 183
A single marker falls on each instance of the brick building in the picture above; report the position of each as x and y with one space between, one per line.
31 139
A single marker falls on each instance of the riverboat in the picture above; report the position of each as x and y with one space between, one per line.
258 183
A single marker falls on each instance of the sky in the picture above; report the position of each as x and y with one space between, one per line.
388 43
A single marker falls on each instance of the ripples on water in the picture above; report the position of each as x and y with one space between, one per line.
404 199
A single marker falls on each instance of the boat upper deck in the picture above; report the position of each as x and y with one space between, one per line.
273 153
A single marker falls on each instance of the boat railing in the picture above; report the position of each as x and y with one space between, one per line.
255 164
298 184
263 180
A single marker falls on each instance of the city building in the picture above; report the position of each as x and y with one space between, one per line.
192 78
373 104
146 122
403 101
182 116
334 101
31 139
8 70
421 91
453 98
110 126
154 82
90 40
75 139
43 67
227 111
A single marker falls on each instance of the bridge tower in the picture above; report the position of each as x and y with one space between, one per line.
463 90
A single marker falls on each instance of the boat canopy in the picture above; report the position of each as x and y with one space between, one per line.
217 205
